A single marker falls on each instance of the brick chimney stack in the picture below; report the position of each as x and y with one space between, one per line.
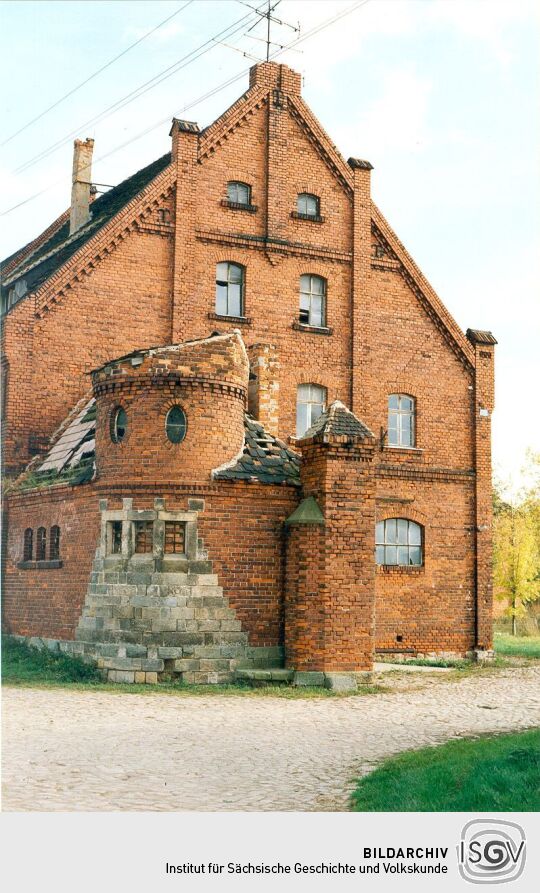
81 184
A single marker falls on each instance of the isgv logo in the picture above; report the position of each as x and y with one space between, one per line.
491 851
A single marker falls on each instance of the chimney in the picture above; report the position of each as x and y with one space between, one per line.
81 184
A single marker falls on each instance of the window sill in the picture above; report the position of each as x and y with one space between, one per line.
314 330
238 206
400 569
40 565
313 218
241 320
404 449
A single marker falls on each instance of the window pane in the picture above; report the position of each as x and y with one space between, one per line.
406 404
311 204
415 534
379 554
391 531
304 302
235 300
406 431
232 192
393 434
317 410
415 555
393 401
235 273
304 391
403 555
316 316
243 193
318 394
302 419
221 299
301 203
305 284
221 272
379 532
402 531
317 285
390 555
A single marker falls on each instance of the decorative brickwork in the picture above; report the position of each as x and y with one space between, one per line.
131 298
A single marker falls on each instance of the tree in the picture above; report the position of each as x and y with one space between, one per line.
516 545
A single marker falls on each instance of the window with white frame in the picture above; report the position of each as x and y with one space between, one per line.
239 193
308 205
312 300
401 420
229 289
398 542
310 405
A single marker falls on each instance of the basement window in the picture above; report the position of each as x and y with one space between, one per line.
144 537
54 543
28 545
175 537
41 544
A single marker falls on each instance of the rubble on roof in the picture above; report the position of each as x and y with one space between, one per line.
265 459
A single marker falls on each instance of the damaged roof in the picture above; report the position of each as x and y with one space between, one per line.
265 459
72 457
49 255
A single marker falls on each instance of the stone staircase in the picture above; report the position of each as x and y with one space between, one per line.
148 618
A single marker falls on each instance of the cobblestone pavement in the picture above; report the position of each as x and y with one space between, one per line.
74 750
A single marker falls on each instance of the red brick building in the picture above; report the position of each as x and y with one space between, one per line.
228 372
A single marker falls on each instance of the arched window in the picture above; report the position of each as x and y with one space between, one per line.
118 424
398 541
312 300
229 289
310 404
54 543
176 424
41 544
239 193
401 420
28 545
308 205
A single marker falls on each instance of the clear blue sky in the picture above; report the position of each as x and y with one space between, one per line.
441 96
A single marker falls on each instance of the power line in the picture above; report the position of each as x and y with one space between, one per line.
315 30
163 75
95 74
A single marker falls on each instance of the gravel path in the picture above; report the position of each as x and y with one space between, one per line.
73 750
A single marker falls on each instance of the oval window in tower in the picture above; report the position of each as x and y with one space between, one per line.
118 424
176 424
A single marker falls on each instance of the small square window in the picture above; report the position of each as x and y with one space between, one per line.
175 537
239 193
144 536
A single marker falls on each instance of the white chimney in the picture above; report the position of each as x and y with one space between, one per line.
81 183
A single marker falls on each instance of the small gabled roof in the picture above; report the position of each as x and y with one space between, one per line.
477 336
338 421
36 266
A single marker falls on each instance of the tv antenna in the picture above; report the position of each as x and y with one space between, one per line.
268 15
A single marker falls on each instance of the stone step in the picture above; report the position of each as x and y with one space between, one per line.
269 675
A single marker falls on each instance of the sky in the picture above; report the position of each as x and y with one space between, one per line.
442 96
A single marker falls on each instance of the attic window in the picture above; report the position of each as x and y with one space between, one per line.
239 193
308 205
16 292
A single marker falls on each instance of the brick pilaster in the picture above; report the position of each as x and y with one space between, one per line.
263 393
361 271
185 139
484 392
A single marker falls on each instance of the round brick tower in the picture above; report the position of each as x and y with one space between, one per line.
171 414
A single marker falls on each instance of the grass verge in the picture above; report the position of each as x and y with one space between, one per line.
517 646
26 667
488 774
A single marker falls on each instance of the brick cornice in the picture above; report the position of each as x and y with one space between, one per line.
281 246
104 242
